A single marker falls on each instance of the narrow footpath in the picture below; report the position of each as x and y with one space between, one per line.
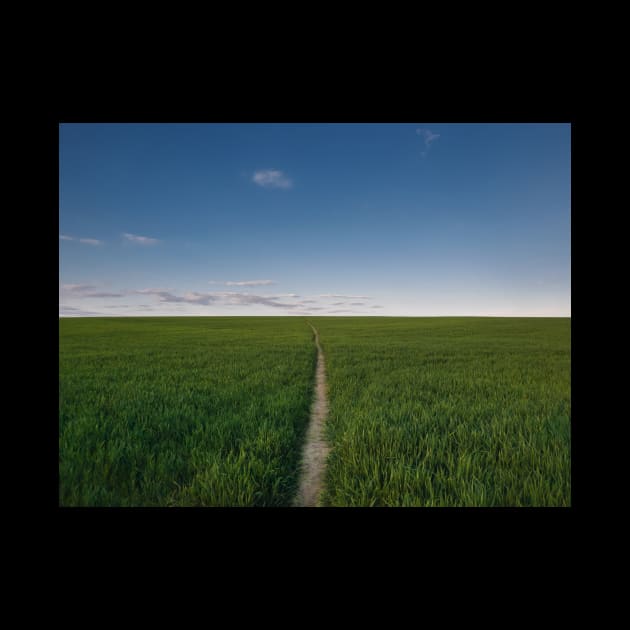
315 448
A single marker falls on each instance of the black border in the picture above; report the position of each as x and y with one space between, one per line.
330 522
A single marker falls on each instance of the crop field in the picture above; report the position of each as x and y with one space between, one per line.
212 411
182 411
448 411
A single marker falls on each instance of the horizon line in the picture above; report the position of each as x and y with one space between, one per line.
337 316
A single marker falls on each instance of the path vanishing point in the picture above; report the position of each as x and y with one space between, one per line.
315 448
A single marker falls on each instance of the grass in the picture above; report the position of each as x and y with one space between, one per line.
212 411
448 411
182 411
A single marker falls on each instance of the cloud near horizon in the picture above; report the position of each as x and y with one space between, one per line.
86 291
77 287
243 283
227 297
353 297
271 178
72 311
219 298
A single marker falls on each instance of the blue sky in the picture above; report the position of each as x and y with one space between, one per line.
322 219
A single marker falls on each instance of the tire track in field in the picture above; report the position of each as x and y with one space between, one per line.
315 449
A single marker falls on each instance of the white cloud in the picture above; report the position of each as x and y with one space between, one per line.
137 307
291 302
77 287
85 291
249 283
245 299
270 178
243 283
335 295
72 311
142 240
166 296
150 291
88 241
225 297
428 136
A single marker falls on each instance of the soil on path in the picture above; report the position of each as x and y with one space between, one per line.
315 448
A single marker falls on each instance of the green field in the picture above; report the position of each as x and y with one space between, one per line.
212 411
182 411
448 411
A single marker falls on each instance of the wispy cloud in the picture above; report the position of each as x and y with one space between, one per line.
288 301
249 283
271 178
72 311
151 291
134 306
243 283
87 241
86 291
266 300
141 240
190 298
225 297
77 288
355 297
429 137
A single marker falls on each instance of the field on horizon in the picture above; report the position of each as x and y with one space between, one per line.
212 411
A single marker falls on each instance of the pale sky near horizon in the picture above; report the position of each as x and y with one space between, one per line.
315 219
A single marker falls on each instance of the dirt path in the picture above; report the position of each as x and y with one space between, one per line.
315 448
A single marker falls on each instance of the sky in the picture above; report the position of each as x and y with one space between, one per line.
405 219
